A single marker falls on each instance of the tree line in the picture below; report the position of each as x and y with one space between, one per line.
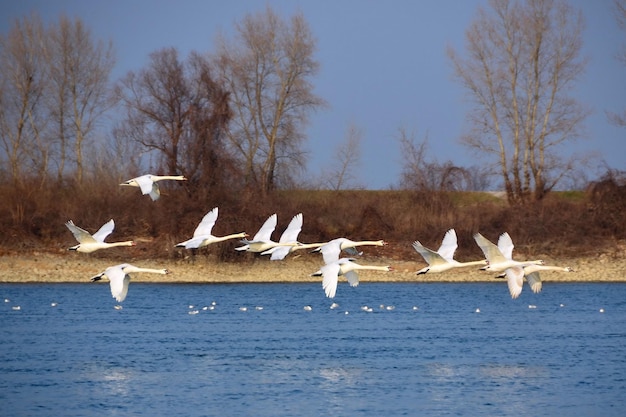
235 119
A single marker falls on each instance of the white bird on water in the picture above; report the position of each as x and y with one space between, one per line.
88 243
119 278
262 241
443 259
202 235
515 277
500 257
148 183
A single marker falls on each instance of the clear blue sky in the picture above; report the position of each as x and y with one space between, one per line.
383 66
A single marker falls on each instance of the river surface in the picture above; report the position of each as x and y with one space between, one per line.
388 349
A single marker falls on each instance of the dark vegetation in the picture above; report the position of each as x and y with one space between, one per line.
565 224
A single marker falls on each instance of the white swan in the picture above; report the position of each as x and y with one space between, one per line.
262 240
346 267
331 250
443 259
500 257
202 235
290 235
148 183
119 278
515 277
88 243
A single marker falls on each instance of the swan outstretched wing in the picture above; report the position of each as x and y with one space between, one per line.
448 245
104 231
515 280
118 281
490 250
265 232
81 235
146 184
505 244
293 230
330 274
206 224
119 288
352 277
430 256
534 281
278 253
330 251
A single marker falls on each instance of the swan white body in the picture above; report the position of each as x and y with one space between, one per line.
443 259
500 257
290 235
262 240
202 235
515 277
119 278
88 243
332 249
148 183
346 267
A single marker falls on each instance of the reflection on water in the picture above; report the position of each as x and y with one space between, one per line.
342 376
116 381
498 371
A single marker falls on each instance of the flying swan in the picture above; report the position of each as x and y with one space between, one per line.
290 235
148 183
332 249
515 277
335 267
202 235
88 243
443 259
119 278
346 267
262 240
500 257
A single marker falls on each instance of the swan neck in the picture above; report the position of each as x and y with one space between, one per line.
367 243
169 177
125 243
371 267
231 236
472 263
148 270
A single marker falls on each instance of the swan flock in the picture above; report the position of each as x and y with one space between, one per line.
497 258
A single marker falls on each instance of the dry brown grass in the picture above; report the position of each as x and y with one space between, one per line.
562 226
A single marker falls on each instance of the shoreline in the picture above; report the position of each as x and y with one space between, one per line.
41 267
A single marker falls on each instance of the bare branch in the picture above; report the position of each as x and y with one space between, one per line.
523 59
267 68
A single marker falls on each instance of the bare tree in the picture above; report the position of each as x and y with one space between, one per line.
267 69
522 60
346 159
415 167
54 89
204 153
79 70
178 110
22 82
158 104
422 174
619 119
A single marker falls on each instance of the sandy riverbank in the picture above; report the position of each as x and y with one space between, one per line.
74 267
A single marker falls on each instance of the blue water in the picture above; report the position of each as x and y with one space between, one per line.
152 358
